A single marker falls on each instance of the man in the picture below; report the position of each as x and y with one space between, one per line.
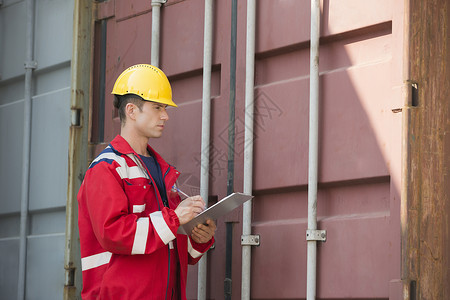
129 208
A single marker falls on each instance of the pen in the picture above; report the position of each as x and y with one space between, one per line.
181 192
184 194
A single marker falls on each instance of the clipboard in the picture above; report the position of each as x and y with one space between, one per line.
215 211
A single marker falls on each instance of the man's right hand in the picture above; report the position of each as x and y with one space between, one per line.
189 208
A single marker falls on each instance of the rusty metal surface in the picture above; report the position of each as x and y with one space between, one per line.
78 142
426 235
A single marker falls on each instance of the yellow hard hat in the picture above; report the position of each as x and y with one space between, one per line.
146 81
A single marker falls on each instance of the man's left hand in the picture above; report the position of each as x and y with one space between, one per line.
202 233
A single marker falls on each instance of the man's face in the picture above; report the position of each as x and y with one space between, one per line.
150 121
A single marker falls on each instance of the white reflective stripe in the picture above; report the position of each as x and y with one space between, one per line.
138 208
192 252
110 155
139 170
161 227
140 237
124 170
130 172
96 260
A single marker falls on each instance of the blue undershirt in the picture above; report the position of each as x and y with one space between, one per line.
155 171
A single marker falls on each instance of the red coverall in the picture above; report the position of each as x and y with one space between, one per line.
125 230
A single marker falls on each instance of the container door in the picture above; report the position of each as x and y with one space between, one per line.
49 146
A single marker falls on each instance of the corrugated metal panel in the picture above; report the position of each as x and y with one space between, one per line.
358 133
12 13
361 84
11 112
361 63
49 146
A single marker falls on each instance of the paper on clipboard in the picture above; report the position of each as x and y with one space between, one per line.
215 211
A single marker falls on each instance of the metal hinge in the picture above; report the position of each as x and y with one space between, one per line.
30 64
69 276
250 240
158 2
76 117
316 235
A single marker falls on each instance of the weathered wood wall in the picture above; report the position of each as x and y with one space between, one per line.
426 223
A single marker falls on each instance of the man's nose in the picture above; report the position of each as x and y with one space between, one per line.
164 115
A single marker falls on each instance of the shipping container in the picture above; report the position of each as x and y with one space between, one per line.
382 204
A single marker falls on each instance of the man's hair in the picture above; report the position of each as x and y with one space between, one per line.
121 101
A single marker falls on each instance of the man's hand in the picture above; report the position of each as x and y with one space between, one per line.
203 233
189 208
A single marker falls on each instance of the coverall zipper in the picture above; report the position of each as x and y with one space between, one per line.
159 207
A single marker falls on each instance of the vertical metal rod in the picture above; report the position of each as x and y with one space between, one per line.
248 145
206 127
231 124
29 66
231 143
101 106
228 261
156 20
313 148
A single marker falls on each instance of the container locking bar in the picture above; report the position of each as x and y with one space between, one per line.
250 240
316 235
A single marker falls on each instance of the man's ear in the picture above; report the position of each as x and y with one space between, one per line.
130 110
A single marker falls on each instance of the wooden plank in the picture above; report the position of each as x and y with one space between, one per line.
427 236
